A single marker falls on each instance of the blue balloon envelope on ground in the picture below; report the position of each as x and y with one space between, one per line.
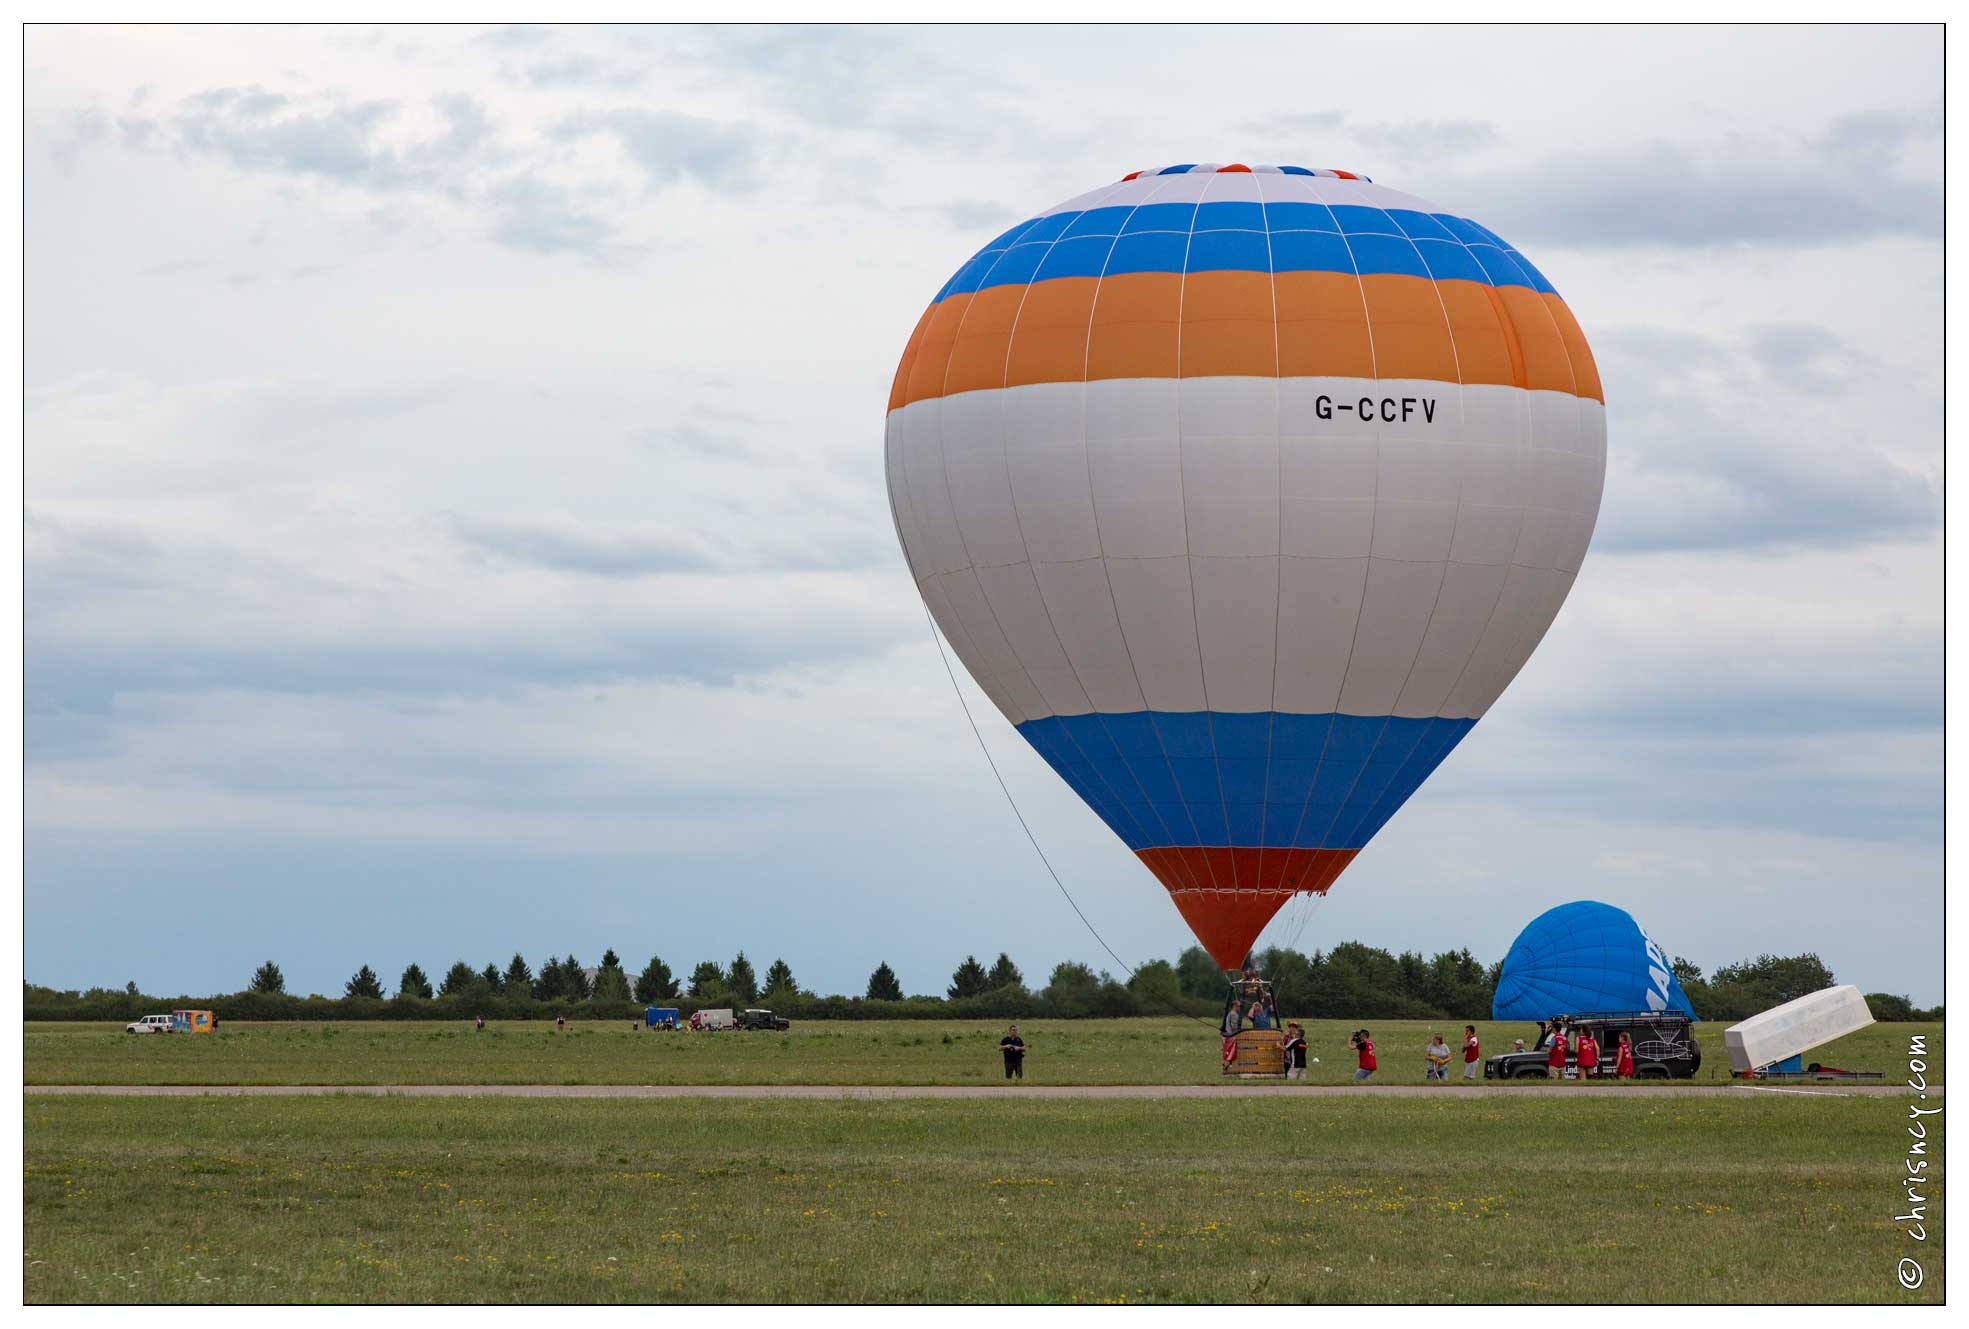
1584 957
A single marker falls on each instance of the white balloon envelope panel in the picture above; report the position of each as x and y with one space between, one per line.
1243 492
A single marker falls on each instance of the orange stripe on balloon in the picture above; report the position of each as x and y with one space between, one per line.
1227 919
1215 324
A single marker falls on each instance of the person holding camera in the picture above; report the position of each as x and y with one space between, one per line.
1364 1046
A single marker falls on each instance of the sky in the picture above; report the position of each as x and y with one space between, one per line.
455 512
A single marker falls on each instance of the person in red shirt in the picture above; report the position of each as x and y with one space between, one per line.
1589 1055
1365 1046
1623 1059
1470 1052
1555 1058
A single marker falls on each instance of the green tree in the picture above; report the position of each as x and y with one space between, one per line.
741 980
1782 977
490 977
655 983
1685 971
1198 975
458 980
707 974
1005 974
779 981
1155 987
573 980
548 985
268 978
969 980
414 983
130 988
363 984
610 960
611 985
882 984
519 978
1886 1006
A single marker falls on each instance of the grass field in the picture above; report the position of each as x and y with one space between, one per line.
1538 1199
905 1052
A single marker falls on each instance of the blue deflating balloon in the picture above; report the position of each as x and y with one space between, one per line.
1584 957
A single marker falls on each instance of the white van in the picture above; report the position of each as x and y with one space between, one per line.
150 1024
714 1020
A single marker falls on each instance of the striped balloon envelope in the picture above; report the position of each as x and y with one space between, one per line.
1243 492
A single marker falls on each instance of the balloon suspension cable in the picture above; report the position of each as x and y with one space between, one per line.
937 637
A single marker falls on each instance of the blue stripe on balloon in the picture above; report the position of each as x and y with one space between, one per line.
1245 779
1247 237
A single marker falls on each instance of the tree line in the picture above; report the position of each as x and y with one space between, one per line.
1350 981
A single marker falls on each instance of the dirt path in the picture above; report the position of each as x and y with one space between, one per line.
1139 1091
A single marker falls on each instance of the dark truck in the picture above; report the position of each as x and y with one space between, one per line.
757 1019
1664 1046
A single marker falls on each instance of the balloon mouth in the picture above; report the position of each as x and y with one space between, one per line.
1227 896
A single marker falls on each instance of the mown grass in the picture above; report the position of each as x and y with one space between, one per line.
908 1052
1532 1198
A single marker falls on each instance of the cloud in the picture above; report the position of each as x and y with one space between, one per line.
670 147
1840 187
572 547
542 217
339 143
582 71
972 214
1416 140
1782 438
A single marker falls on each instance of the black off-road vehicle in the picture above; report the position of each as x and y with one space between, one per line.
757 1019
1664 1046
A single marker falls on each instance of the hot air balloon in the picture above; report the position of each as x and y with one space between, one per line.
1243 491
1582 958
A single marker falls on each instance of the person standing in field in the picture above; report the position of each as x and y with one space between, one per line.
1471 1052
1437 1056
1295 1051
1555 1057
1233 1021
1589 1054
1365 1047
478 1022
1014 1049
1623 1059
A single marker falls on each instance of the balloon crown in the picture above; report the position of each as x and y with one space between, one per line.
1192 168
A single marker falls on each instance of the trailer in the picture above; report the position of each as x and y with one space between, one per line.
1777 1040
662 1017
722 1019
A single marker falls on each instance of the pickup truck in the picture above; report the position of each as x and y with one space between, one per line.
150 1024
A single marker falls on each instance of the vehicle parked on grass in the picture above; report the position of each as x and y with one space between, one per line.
1664 1046
758 1019
150 1024
193 1022
721 1019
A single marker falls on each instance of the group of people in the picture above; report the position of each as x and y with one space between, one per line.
1437 1056
1586 1052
